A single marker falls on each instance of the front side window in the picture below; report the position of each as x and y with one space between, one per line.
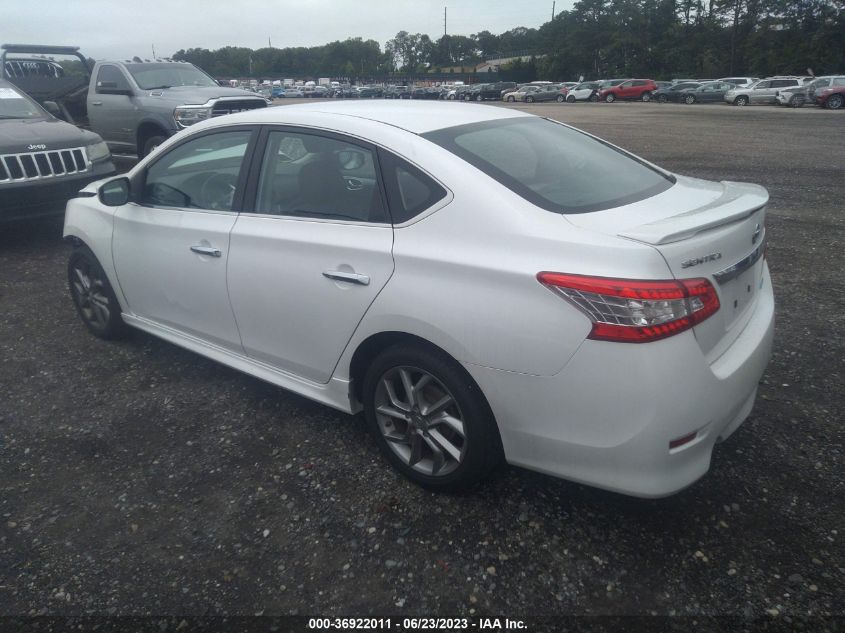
553 166
112 77
199 174
311 176
839 81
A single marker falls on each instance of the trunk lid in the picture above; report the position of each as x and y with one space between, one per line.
702 229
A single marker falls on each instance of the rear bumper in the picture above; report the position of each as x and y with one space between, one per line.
41 198
607 418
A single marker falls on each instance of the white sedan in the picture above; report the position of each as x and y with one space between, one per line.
485 284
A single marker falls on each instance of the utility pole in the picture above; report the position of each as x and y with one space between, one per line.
444 20
553 11
154 51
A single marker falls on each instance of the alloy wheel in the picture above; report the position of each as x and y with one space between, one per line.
90 293
834 102
421 420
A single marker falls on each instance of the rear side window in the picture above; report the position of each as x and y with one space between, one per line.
553 166
409 190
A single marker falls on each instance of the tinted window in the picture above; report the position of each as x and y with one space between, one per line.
113 75
200 174
305 175
839 81
762 84
553 166
409 191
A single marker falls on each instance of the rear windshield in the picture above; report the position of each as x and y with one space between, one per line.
551 165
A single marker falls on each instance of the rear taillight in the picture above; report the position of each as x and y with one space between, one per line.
635 311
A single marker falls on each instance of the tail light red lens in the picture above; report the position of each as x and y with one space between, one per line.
635 311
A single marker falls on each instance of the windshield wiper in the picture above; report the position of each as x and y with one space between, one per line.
157 87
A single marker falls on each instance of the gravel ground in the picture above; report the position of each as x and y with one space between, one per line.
137 478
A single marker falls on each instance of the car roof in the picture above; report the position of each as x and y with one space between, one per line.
416 117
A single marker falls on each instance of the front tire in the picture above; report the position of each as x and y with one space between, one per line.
796 101
834 102
570 99
93 295
561 98
151 143
429 418
662 98
741 100
529 99
511 99
689 99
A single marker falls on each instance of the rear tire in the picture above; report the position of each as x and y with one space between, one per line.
594 98
529 99
834 102
561 98
689 99
662 98
610 98
93 295
646 97
451 448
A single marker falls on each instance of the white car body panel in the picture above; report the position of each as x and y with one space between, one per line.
276 269
165 282
461 275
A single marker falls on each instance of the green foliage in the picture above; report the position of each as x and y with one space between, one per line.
659 39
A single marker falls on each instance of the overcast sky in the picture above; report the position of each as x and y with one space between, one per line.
123 28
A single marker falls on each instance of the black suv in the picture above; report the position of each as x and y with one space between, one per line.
43 161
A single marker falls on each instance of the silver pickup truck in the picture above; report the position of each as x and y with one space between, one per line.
132 106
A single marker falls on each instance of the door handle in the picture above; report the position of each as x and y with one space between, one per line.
96 103
353 278
207 250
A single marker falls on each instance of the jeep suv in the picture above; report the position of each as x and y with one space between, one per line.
43 161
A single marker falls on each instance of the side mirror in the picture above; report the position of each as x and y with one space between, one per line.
53 108
111 88
114 193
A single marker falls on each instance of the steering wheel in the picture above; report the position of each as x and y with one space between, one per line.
217 191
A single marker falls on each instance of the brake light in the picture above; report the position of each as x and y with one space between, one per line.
635 311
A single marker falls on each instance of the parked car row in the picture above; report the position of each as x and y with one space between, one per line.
739 91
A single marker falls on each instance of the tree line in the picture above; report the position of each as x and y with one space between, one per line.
596 38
